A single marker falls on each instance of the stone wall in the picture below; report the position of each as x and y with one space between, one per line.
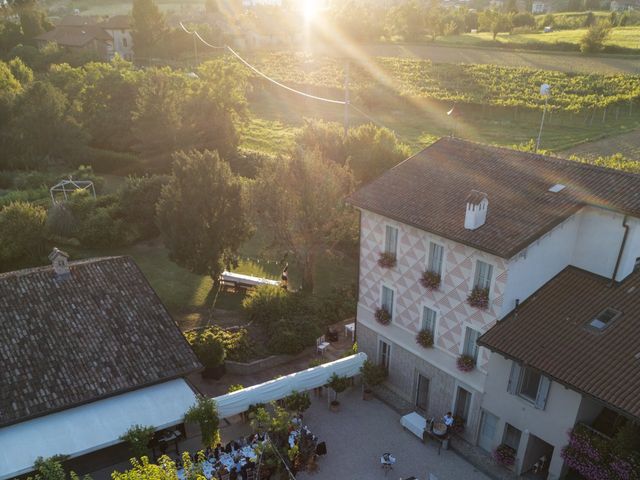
404 368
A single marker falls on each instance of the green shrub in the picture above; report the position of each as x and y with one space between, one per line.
267 304
593 40
138 200
373 374
291 336
22 232
297 402
207 346
138 438
107 161
100 228
60 221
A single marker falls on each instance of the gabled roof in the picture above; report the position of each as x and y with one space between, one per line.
75 36
117 22
429 191
98 332
550 333
78 20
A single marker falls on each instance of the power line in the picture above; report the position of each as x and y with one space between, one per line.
263 75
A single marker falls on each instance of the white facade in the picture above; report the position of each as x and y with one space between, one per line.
591 239
122 43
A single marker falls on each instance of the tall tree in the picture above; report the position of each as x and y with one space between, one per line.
373 150
148 27
22 234
300 202
201 213
42 125
158 112
215 107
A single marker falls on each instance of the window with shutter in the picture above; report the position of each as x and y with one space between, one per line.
484 272
529 384
470 346
436 255
387 299
514 378
429 320
391 240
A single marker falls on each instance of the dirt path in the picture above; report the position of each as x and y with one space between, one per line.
628 144
562 61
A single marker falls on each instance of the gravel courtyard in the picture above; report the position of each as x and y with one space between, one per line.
361 431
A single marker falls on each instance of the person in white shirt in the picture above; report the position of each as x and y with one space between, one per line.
448 420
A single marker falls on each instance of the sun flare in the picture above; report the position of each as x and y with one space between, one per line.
309 8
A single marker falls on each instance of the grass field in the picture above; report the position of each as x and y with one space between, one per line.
625 37
182 291
419 122
628 144
119 7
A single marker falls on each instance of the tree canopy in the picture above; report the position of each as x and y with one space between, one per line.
202 214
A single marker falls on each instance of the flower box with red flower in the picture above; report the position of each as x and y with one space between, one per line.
387 260
424 338
479 298
383 316
504 455
465 363
430 280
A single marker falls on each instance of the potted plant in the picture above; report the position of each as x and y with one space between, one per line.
372 376
387 260
424 338
479 298
205 413
465 363
430 280
338 385
210 351
383 316
504 455
138 438
297 402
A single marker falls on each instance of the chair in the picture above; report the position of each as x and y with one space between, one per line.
321 345
251 474
386 462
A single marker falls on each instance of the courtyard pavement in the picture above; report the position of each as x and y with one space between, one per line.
362 431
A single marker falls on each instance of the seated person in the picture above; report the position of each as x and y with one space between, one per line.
233 475
448 420
228 447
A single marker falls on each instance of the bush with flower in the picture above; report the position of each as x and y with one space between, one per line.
595 457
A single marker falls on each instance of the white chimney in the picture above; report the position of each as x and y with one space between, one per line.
477 206
60 262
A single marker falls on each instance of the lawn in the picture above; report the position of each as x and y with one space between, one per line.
183 292
625 37
119 7
418 122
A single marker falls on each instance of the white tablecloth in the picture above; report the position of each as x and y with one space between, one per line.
415 423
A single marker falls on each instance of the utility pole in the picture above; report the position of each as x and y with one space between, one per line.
195 48
545 91
346 98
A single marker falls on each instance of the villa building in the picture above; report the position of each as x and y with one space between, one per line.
452 241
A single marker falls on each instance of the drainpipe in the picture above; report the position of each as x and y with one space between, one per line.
624 241
355 327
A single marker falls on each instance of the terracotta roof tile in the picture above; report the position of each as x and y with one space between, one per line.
550 333
99 332
429 191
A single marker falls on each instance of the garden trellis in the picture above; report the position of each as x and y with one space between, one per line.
69 186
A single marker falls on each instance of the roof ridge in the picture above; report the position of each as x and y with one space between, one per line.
45 268
550 158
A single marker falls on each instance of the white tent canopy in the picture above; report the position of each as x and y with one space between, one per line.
91 427
239 401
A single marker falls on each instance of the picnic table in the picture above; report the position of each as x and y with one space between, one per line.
241 281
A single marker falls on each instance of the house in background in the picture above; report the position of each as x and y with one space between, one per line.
538 8
88 350
486 227
77 33
119 28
